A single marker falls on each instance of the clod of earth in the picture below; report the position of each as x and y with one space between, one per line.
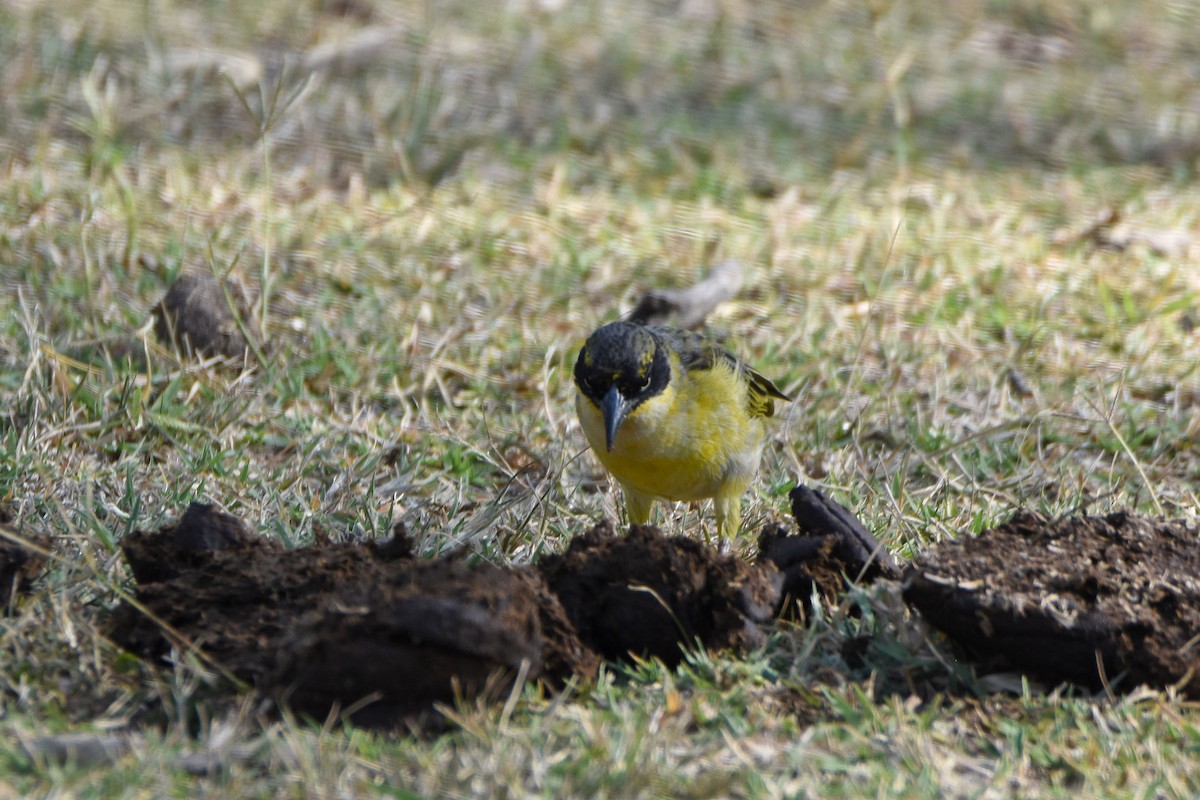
370 629
412 640
1065 599
332 624
326 627
653 595
195 316
20 563
833 548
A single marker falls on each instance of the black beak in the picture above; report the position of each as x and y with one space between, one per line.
614 406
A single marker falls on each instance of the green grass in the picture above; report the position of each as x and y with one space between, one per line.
428 234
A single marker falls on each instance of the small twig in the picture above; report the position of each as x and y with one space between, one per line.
694 303
86 749
81 749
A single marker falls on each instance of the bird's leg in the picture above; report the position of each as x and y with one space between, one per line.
637 505
729 516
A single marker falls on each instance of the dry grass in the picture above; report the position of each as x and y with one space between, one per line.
971 241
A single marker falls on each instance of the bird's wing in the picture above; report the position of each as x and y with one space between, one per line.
696 352
760 391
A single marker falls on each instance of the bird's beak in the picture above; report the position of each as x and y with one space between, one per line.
614 407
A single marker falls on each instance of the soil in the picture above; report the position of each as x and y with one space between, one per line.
417 637
1055 598
19 563
369 630
195 316
325 627
330 625
832 550
648 594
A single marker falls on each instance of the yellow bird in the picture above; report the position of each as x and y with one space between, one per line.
672 416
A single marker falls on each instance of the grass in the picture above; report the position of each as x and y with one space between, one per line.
430 228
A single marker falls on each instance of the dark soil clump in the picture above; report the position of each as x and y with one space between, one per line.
426 633
20 563
832 550
1058 599
189 544
368 630
648 594
195 316
332 625
564 652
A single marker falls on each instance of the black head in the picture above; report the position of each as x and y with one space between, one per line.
620 366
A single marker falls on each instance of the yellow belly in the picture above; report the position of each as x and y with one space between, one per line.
685 445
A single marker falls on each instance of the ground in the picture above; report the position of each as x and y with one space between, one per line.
969 240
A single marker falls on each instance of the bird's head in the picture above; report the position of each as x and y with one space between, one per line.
621 366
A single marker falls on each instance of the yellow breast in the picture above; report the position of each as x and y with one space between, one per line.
692 441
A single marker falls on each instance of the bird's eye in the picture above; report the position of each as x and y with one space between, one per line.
635 384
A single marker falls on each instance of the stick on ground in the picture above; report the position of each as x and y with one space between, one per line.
692 304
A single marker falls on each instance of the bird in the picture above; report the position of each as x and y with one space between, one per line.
673 416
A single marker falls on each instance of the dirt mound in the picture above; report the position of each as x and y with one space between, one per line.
333 624
651 595
444 628
195 316
369 628
414 639
1055 598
